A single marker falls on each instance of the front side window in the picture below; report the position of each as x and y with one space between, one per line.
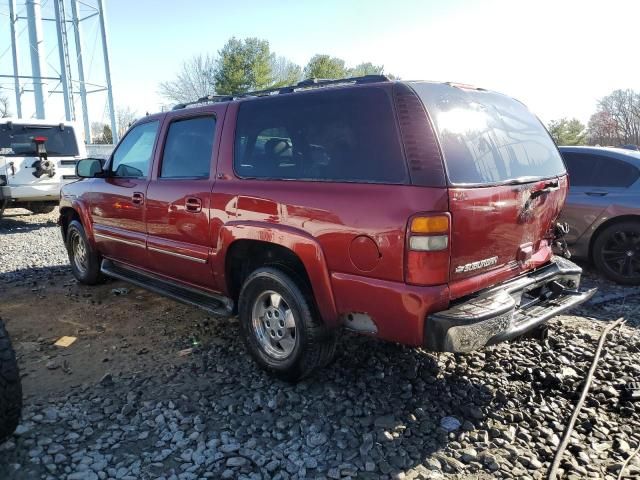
188 148
581 168
342 135
19 140
133 156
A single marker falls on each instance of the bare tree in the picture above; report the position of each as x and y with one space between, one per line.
623 107
195 80
4 106
125 117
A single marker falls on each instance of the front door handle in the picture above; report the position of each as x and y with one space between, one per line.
137 198
596 194
193 204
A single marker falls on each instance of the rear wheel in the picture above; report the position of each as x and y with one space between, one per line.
85 262
616 252
10 387
280 328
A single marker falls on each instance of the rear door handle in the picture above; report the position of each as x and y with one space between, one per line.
596 194
137 198
193 204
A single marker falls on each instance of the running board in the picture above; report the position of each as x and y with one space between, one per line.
216 304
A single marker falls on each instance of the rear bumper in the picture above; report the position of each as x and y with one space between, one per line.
508 310
49 192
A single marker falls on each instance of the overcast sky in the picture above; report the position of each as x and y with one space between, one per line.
558 57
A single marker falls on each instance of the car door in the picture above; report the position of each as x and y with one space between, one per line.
118 200
584 201
178 198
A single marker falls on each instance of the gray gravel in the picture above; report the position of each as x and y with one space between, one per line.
29 243
380 411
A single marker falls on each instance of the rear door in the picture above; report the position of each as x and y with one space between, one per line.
584 203
507 183
178 205
117 201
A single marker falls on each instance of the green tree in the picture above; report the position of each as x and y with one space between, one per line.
107 137
243 65
568 132
324 66
366 68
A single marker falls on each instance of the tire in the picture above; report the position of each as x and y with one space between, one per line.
266 323
616 252
10 387
84 260
41 208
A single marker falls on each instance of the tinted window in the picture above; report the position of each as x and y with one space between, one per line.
18 140
615 173
581 168
487 137
188 147
341 135
133 155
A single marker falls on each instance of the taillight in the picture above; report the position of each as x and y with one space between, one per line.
428 238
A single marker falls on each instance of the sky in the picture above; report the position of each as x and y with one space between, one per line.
558 57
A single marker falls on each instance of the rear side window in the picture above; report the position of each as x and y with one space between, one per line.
587 169
581 168
488 138
346 135
19 140
615 173
188 148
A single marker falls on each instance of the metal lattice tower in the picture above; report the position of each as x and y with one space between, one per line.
70 59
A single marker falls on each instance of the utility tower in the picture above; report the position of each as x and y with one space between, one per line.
70 78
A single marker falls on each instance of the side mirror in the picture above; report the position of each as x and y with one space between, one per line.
89 168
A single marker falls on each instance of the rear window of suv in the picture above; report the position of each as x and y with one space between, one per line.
341 135
18 140
488 138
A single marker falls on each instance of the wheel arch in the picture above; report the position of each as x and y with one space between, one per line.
259 245
606 224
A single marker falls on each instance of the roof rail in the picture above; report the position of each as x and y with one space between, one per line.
302 85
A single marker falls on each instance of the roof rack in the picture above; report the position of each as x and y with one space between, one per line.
307 84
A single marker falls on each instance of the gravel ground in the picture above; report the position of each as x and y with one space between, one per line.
380 411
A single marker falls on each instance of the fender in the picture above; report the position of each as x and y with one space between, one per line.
299 242
70 201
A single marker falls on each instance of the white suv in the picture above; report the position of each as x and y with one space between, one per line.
37 157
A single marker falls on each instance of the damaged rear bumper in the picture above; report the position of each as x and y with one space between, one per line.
508 310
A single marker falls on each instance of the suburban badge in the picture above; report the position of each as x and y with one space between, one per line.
469 267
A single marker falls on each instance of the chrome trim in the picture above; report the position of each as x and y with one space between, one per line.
121 240
175 254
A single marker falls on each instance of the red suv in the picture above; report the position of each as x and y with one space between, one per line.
420 213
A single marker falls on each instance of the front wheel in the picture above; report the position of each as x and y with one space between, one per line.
10 386
279 326
616 252
85 262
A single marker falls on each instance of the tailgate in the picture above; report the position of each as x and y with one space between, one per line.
507 183
499 232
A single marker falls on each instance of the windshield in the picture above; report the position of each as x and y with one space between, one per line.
488 138
19 140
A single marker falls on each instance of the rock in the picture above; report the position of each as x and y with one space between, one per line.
316 439
236 462
469 455
450 424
